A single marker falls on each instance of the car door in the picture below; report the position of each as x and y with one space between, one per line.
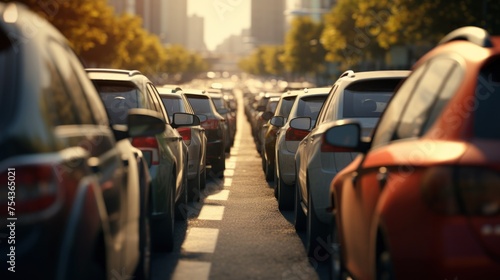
403 120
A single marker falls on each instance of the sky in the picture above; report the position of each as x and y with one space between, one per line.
222 18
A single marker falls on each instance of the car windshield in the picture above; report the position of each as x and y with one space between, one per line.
118 99
200 104
173 105
368 99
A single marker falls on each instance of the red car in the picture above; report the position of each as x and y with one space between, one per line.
422 200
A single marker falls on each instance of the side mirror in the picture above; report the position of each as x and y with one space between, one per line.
144 122
345 136
184 119
278 121
267 115
301 123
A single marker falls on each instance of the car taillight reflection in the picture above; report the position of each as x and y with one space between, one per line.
210 124
185 132
35 189
462 190
295 134
149 148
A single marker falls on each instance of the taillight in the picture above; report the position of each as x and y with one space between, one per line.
28 189
210 124
293 134
149 148
185 132
462 190
325 147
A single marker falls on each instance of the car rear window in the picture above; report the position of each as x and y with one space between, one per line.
310 106
118 98
368 99
286 106
487 98
173 104
218 103
200 104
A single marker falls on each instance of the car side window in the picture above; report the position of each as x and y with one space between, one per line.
155 98
389 120
433 82
71 83
326 109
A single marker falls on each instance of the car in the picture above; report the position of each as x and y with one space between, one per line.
166 152
307 104
360 96
263 124
269 141
257 121
73 196
215 130
421 200
224 110
194 137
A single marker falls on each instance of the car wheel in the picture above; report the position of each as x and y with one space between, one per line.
286 195
164 236
299 216
143 271
194 192
275 183
269 170
218 168
337 270
316 233
383 260
203 179
181 205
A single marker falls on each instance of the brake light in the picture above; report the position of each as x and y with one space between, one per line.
293 134
185 132
462 190
210 124
149 148
28 189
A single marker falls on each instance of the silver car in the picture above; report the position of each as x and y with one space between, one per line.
194 137
361 96
307 104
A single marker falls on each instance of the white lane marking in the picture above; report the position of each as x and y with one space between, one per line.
230 165
201 240
233 159
229 172
222 195
211 212
228 182
191 270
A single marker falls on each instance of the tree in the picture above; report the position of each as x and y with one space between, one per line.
303 51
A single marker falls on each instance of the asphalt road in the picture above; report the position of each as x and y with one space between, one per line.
237 231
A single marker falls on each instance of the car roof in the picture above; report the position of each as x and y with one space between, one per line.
313 91
114 74
165 91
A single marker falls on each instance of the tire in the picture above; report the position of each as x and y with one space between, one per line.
275 183
299 216
269 171
218 168
203 179
181 205
383 260
143 271
316 234
337 270
286 195
194 188
163 240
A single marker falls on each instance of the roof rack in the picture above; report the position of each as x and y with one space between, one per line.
348 73
473 34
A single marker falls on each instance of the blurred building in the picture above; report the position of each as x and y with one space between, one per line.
165 18
267 22
312 8
196 34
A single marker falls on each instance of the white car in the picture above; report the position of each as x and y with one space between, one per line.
360 96
307 104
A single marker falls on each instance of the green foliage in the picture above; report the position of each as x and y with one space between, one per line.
103 39
303 51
